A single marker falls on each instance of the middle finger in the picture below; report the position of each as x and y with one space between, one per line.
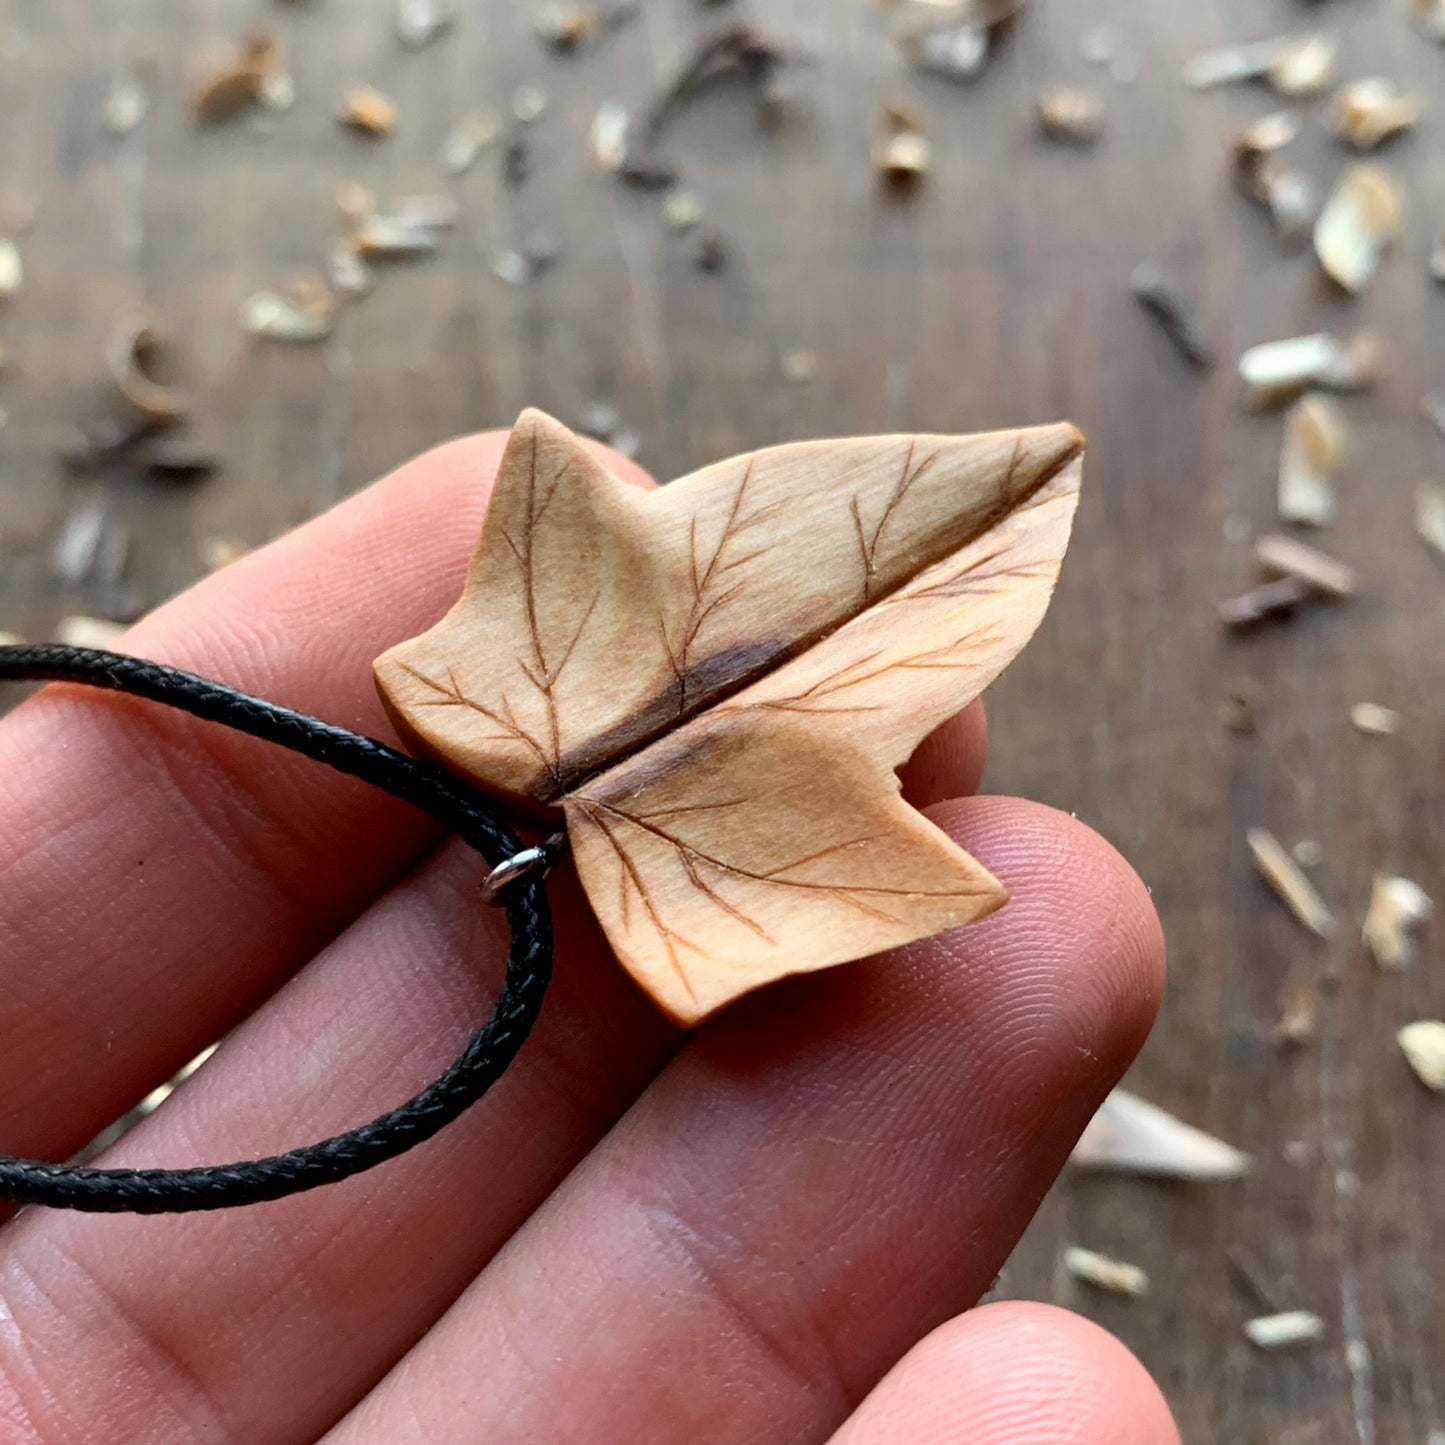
316 1296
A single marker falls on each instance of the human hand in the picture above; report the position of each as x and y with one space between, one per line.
637 1236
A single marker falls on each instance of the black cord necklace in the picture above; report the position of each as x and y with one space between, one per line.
516 882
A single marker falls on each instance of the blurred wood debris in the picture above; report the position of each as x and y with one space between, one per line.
1369 112
1103 1272
241 83
948 38
1430 515
1288 193
902 154
1282 556
1289 883
1294 66
1430 18
12 271
1277 1332
1129 1135
1069 114
1316 439
1374 720
1397 906
1359 223
137 359
1423 1044
305 312
1278 371
369 111
420 22
1176 312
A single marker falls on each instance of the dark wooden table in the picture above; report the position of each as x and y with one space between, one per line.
999 295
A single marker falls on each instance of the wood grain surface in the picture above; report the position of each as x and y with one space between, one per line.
996 296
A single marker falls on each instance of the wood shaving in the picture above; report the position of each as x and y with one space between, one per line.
1105 1273
465 142
1430 18
218 552
1298 1014
177 459
81 631
1396 907
956 52
645 174
530 102
1359 223
511 266
683 210
608 137
1260 604
1304 67
1275 1332
1129 1135
1373 720
369 111
307 314
135 358
1423 1044
1430 515
1277 371
565 27
1230 64
902 154
77 544
347 273
772 64
238 86
800 365
1069 114
388 236
1289 194
1369 112
1266 136
1308 853
126 103
710 251
419 22
1316 438
1239 712
12 269
1099 45
1282 556
277 91
1296 891
1175 311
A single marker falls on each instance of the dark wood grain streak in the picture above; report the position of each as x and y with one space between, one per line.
998 296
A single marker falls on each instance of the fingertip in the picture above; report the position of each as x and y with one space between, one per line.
949 762
1014 1374
1077 910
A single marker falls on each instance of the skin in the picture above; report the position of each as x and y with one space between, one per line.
738 1235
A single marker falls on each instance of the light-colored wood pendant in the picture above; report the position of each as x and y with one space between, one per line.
716 682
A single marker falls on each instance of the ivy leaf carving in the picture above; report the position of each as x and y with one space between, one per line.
716 682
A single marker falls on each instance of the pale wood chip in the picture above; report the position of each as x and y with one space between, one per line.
1423 1044
1396 907
1296 891
1293 1327
1105 1273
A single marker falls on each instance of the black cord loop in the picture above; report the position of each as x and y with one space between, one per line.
459 807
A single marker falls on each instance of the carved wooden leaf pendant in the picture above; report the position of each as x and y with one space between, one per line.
716 682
